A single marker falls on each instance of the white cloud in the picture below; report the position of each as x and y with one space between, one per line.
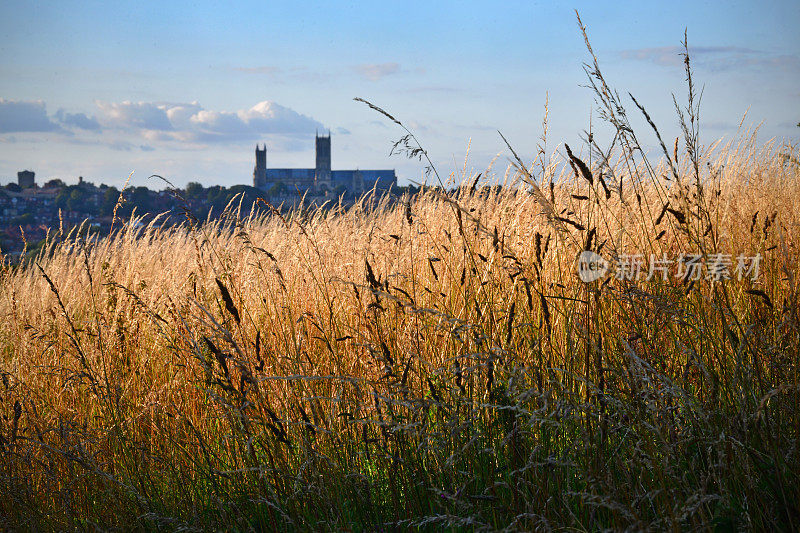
376 71
154 122
158 121
222 123
19 116
134 115
269 117
180 115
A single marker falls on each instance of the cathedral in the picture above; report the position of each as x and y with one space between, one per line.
320 180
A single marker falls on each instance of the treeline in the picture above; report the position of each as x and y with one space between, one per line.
27 214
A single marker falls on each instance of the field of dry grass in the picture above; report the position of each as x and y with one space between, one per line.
429 363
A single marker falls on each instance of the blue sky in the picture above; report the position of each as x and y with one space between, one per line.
186 89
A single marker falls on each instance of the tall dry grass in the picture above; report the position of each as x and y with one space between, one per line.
411 364
428 363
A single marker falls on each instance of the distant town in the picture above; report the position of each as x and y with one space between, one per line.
28 210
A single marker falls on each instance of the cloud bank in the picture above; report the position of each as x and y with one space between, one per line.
77 120
20 116
192 123
159 121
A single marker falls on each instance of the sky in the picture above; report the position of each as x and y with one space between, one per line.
186 90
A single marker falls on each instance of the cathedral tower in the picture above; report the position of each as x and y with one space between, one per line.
323 169
260 170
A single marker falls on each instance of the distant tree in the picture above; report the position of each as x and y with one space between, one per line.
194 190
277 189
238 189
248 190
13 187
76 200
109 201
63 196
35 248
23 220
216 198
214 193
142 200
